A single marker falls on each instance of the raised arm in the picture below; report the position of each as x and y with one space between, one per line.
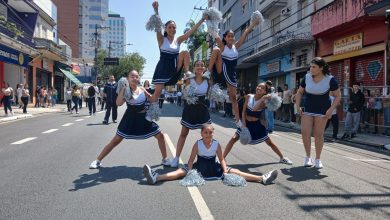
160 36
186 35
245 34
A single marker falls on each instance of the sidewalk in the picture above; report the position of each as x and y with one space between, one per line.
31 111
378 141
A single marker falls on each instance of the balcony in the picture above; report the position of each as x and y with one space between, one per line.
49 49
266 6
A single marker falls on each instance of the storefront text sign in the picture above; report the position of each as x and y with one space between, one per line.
10 55
348 44
273 67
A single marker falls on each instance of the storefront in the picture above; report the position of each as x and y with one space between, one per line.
13 66
275 70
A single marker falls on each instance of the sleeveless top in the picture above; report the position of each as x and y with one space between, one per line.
230 53
167 47
201 89
251 104
204 152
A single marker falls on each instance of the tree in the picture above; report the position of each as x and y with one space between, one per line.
131 61
197 38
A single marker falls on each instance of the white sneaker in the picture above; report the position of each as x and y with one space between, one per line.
207 75
308 162
285 160
166 162
269 177
175 162
318 164
150 175
95 164
239 124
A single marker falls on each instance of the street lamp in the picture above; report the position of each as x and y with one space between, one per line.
115 42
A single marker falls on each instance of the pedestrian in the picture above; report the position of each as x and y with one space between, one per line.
335 122
205 151
225 57
171 63
18 98
104 98
49 96
54 97
352 120
7 99
317 85
196 114
147 87
251 114
179 96
110 94
68 98
286 103
377 108
92 99
161 99
42 95
133 124
76 94
25 97
38 95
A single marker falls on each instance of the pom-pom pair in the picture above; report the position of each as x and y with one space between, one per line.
245 136
153 113
193 178
274 102
154 24
257 17
214 18
217 94
232 179
191 97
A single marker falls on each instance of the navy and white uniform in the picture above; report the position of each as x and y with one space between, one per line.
256 128
166 70
206 162
317 94
195 115
133 124
229 64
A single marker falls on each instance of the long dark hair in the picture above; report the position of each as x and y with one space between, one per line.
166 25
225 34
321 63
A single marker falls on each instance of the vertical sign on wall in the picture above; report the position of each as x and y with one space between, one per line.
346 89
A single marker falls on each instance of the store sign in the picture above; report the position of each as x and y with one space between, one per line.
45 64
348 44
10 55
273 67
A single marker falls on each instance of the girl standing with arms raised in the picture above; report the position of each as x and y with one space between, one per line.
168 69
133 124
225 57
317 86
194 115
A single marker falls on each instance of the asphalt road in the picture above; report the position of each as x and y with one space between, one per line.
47 176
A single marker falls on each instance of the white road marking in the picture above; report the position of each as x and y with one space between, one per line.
298 142
80 119
67 124
24 140
196 196
100 112
87 116
50 131
366 160
275 135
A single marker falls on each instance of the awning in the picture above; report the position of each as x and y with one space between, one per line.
71 77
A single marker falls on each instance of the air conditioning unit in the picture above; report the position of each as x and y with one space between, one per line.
285 11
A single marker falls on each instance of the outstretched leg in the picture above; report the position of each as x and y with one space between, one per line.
108 148
233 98
247 176
229 146
183 61
215 59
174 175
270 143
182 140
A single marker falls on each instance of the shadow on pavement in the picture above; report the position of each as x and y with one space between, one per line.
300 174
107 175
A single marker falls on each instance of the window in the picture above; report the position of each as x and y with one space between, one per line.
95 17
275 25
94 8
302 60
243 8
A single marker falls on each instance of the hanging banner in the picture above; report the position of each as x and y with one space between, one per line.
10 55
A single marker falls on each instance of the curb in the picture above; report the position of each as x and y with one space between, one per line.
15 117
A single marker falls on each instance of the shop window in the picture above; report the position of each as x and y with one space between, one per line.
302 60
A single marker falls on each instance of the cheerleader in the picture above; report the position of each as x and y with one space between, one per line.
194 115
225 64
251 114
133 124
206 150
170 65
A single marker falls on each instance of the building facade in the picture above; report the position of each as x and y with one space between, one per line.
116 35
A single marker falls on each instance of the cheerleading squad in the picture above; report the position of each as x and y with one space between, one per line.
137 122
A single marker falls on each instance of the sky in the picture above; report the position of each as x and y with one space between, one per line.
137 13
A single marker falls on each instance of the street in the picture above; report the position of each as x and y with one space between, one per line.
44 175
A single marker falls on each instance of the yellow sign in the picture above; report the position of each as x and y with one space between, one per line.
348 44
21 59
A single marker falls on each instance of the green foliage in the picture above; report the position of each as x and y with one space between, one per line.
131 61
197 38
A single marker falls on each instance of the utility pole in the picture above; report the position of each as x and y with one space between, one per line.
96 51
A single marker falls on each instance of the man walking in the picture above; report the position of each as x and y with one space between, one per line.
109 92
92 99
286 104
352 119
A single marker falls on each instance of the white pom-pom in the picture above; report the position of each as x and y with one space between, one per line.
257 16
214 18
154 23
217 94
191 97
153 113
193 178
245 136
232 179
122 83
274 102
